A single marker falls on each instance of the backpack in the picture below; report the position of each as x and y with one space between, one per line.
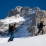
10 28
38 25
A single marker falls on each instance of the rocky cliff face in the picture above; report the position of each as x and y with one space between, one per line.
19 10
26 11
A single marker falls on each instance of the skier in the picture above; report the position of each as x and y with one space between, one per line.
11 31
40 27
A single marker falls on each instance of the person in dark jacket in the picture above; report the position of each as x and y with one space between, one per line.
11 31
41 28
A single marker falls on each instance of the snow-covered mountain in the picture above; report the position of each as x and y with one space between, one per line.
24 17
21 15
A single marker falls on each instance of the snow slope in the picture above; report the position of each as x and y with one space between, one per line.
27 41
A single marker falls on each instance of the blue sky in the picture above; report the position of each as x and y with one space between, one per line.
6 5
